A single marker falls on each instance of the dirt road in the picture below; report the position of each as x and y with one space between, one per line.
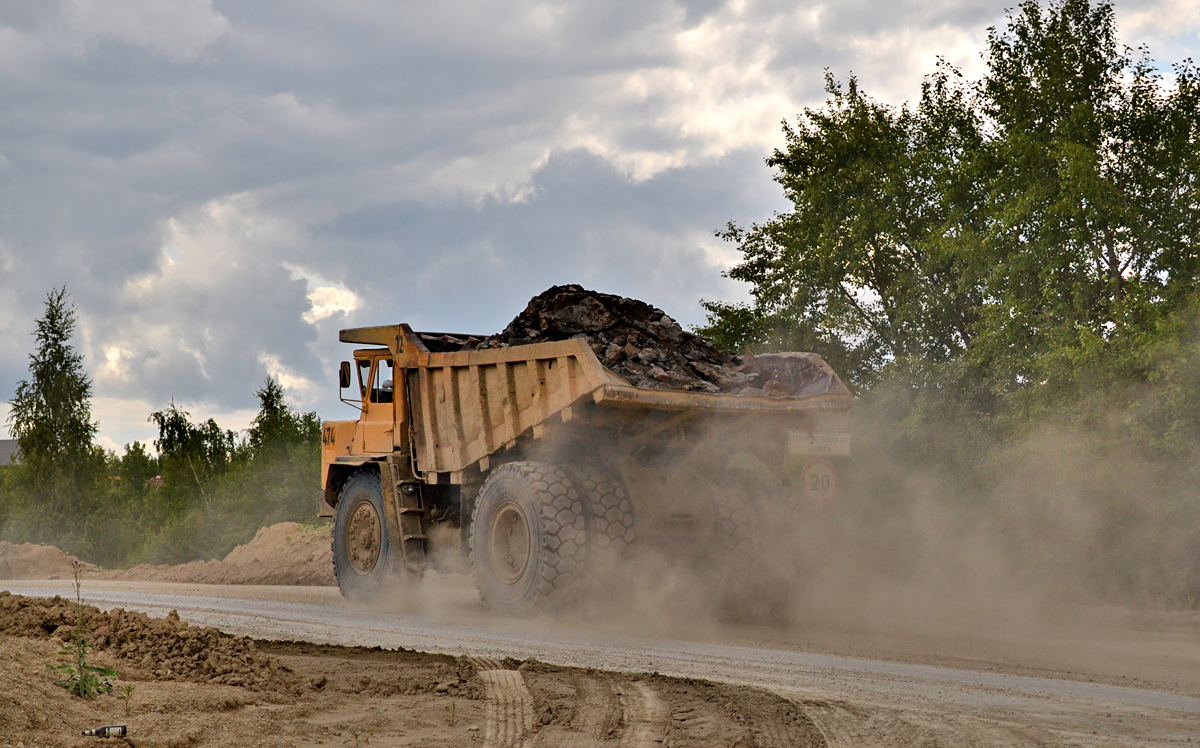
1108 687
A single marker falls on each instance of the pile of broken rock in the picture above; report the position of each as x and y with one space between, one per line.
647 348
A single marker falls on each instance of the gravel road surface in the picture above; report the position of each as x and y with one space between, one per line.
952 693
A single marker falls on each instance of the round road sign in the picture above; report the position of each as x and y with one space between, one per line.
819 481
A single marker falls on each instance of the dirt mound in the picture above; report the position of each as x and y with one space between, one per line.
165 648
286 553
646 347
32 561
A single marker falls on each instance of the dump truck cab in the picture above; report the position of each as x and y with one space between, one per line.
371 381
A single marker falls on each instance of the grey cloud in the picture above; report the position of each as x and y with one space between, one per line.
585 223
442 161
28 16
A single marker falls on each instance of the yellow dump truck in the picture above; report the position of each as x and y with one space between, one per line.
530 463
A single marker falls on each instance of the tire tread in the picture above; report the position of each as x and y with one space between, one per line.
611 512
563 523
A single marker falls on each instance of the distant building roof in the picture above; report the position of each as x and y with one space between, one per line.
8 448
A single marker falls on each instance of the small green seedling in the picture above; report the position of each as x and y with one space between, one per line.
359 739
125 694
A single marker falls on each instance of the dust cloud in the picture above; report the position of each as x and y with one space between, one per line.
1049 527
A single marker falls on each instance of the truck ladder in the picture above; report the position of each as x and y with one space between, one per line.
410 515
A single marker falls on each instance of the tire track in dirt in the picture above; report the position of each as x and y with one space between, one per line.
847 726
829 719
645 715
600 712
482 663
773 733
881 726
509 713
594 721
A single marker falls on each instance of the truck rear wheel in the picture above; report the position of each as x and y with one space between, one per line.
610 512
528 537
361 548
749 588
737 527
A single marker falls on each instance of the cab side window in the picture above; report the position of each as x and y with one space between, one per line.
385 382
364 376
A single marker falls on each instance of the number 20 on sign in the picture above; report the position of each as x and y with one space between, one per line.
819 481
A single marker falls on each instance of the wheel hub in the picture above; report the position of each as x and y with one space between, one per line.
364 538
510 546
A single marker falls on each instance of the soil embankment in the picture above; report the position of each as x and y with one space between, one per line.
33 561
287 553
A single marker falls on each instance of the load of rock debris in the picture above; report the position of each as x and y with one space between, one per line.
647 348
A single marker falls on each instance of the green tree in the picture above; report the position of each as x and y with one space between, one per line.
1007 271
218 489
51 414
867 267
136 467
278 427
191 454
1017 237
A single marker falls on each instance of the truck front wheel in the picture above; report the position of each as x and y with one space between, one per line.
528 537
360 537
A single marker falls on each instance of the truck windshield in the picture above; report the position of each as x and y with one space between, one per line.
384 382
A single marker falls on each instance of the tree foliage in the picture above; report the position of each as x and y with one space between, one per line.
219 487
207 490
278 427
1014 238
51 414
204 450
1007 272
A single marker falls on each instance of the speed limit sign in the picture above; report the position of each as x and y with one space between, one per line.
818 481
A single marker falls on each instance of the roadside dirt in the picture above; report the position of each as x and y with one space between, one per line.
299 694
33 561
287 553
164 648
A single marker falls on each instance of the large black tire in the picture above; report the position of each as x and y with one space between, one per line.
528 538
749 587
752 513
362 552
611 529
737 530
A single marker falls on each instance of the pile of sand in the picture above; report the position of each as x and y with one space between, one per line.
32 561
165 648
286 553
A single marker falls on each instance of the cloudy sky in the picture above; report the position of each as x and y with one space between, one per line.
223 185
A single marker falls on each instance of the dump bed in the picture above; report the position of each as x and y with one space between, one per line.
467 404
